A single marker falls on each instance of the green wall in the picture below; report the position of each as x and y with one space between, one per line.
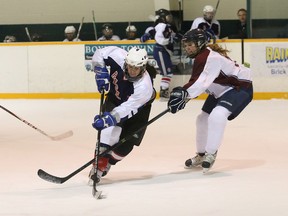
275 28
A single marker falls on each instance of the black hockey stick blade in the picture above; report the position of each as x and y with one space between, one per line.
60 180
48 177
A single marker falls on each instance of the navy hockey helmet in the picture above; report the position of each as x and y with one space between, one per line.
107 26
198 37
107 31
163 15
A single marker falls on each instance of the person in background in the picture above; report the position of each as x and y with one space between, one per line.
230 90
208 22
165 35
131 33
241 30
35 37
149 34
9 39
107 33
70 34
127 106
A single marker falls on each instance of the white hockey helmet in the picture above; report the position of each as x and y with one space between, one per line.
69 29
136 57
131 28
9 39
208 12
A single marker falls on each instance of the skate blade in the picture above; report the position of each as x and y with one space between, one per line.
192 167
205 170
90 182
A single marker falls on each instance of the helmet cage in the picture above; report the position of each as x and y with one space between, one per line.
198 37
129 77
208 12
136 58
163 15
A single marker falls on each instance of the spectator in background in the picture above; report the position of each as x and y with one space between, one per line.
241 30
107 33
131 33
10 39
70 34
36 37
207 22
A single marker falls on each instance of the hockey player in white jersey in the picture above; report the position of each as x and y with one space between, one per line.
207 22
230 90
127 106
165 33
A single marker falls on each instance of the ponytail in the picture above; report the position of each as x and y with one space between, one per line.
219 49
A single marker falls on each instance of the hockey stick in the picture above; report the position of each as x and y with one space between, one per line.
180 10
58 137
216 8
79 30
28 34
60 180
95 193
94 25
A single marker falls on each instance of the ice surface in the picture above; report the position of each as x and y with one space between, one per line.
249 176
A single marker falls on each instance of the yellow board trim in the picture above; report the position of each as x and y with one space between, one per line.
94 95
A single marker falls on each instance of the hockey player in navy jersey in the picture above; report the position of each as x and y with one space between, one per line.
130 93
230 90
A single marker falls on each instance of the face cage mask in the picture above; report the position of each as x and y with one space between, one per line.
194 54
136 78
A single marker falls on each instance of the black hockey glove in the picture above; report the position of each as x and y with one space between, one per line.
178 99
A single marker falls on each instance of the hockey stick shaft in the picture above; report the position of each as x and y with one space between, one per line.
28 34
59 137
216 8
94 25
79 29
59 180
96 193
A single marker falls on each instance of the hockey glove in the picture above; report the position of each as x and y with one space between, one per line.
178 99
210 36
145 37
102 78
104 121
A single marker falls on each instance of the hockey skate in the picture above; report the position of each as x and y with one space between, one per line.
208 161
105 172
103 169
164 94
195 161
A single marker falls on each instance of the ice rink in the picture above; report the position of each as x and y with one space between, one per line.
249 177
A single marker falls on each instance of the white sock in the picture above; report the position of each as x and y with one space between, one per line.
217 121
201 131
